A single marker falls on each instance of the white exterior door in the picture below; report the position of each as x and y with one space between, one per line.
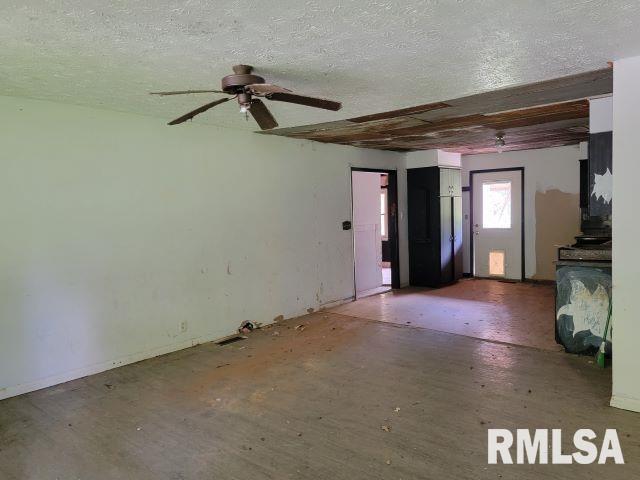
497 224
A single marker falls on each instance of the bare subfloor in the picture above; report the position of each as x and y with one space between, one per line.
340 398
519 313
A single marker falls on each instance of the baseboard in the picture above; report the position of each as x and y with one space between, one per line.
540 281
57 379
52 380
337 303
625 403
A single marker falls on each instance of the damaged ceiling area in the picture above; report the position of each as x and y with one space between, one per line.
544 114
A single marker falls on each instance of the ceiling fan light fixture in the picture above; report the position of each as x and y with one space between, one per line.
245 87
500 143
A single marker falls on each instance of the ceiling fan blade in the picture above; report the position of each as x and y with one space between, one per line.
304 100
197 111
262 115
185 92
265 88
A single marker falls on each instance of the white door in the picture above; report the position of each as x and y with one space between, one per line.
366 230
497 224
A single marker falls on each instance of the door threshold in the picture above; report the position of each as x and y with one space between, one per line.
373 291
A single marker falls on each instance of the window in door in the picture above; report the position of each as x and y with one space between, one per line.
384 225
496 204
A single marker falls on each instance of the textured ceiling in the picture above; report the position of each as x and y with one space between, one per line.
372 56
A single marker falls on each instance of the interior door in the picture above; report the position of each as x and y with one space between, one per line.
423 209
466 232
446 239
367 230
457 238
497 224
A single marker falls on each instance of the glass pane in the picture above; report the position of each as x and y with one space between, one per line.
496 262
383 202
383 225
496 205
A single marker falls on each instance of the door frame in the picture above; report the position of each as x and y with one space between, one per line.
394 244
493 170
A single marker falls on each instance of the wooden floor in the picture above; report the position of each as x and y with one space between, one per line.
340 398
517 313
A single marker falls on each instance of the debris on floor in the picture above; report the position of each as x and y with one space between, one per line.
246 327
386 428
300 327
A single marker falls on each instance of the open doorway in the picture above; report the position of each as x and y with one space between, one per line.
375 230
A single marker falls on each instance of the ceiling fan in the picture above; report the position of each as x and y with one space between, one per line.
244 86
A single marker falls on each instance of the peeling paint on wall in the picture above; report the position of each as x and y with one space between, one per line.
557 223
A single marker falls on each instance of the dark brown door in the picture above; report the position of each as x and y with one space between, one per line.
446 240
423 187
457 238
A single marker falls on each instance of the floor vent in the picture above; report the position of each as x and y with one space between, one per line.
230 339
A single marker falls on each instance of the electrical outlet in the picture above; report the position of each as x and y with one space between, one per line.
183 326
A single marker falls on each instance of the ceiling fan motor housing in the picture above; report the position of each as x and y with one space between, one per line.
241 78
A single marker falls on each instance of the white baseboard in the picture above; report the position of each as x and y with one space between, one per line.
336 303
625 403
57 379
50 381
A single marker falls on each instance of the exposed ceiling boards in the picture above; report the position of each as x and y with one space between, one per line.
372 56
545 114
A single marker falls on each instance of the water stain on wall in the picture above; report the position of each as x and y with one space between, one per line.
557 223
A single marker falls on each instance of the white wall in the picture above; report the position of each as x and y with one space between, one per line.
432 158
601 114
626 231
118 228
545 169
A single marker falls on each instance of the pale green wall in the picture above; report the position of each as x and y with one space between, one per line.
626 232
116 228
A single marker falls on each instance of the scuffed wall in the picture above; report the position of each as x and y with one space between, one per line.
124 238
546 170
557 223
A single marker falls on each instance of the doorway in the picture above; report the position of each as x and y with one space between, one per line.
497 223
375 231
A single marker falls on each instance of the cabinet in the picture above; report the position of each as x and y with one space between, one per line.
435 225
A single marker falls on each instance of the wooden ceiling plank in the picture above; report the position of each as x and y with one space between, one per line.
528 115
400 113
574 87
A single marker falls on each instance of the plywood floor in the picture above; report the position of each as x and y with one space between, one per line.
311 403
517 313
